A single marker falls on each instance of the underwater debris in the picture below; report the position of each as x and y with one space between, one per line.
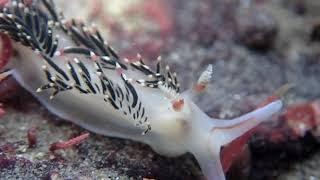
69 143
32 137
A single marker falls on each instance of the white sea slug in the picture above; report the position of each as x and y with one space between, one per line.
73 71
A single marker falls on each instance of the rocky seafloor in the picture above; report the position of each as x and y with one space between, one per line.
255 48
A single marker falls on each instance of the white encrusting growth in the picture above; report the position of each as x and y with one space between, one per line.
82 80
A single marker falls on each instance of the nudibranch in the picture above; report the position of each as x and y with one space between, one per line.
73 72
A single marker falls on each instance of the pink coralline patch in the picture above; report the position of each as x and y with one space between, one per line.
96 8
6 162
6 50
3 2
293 123
303 117
7 156
7 148
10 162
159 11
151 43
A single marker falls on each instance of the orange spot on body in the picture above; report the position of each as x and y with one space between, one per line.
200 87
177 105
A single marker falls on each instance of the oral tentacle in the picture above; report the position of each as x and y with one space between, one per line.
229 130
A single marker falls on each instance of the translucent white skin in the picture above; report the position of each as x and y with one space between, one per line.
173 133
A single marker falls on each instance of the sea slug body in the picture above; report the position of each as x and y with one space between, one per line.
74 72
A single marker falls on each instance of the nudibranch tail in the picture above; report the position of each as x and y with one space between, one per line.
217 133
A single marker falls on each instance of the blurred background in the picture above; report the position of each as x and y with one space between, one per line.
259 49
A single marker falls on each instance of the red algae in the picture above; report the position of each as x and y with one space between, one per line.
32 137
68 144
6 162
233 151
159 11
6 50
302 118
3 2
